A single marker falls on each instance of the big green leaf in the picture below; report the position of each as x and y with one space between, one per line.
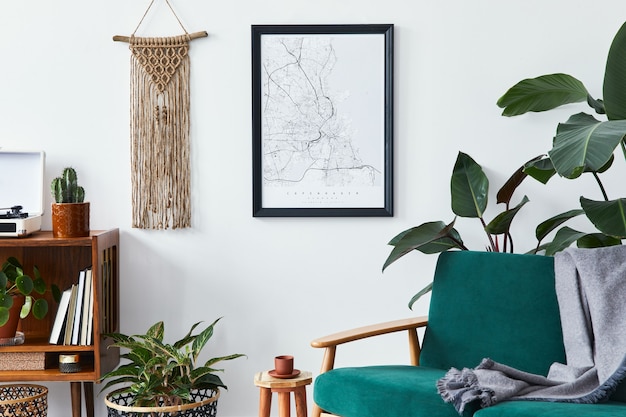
541 170
609 217
585 144
432 235
4 315
40 308
505 193
563 239
597 240
614 88
469 187
502 222
422 292
542 93
552 223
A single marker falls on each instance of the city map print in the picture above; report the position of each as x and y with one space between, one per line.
322 106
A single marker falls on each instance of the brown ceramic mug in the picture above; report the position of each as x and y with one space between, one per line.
283 364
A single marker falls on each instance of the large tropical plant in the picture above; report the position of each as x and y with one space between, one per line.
582 145
162 374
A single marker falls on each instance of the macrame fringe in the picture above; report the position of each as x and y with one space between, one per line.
160 133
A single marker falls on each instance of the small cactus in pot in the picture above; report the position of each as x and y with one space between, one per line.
65 189
70 214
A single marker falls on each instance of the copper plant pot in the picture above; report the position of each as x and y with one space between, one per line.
70 219
10 328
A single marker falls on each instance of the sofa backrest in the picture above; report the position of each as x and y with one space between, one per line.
493 305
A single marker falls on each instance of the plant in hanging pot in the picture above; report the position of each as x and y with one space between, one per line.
70 214
164 378
20 295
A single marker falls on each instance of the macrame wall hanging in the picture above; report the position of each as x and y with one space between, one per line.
159 128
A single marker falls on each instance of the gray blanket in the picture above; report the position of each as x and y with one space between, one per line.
591 291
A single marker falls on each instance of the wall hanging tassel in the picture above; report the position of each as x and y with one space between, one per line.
159 129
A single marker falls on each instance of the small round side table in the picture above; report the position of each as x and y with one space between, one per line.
283 387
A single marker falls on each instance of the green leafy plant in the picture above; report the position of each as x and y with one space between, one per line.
14 283
469 191
582 144
161 374
65 189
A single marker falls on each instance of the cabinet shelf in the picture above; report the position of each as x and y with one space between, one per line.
59 261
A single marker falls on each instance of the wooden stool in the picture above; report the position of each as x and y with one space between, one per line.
283 387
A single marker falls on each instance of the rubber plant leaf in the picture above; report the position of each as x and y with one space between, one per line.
597 240
609 217
547 226
585 144
542 93
615 78
508 189
417 296
431 235
501 224
563 239
469 187
541 170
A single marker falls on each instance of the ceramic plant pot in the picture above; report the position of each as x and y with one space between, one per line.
10 328
70 219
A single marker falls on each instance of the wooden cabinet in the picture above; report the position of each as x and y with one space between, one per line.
60 260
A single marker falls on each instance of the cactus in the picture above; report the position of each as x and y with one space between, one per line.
65 189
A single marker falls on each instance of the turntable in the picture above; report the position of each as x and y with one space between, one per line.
21 192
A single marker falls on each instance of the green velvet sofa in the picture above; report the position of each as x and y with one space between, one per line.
501 306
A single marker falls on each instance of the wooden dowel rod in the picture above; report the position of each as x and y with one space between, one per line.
192 36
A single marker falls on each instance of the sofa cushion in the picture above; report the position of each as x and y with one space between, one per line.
497 305
551 409
375 391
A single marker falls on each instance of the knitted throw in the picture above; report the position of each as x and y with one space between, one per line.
159 125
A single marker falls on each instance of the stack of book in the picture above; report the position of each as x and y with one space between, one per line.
73 324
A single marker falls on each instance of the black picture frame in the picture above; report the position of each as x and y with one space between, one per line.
309 158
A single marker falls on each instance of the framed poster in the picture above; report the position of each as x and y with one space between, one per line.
322 116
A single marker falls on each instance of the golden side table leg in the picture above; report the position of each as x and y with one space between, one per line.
300 394
265 403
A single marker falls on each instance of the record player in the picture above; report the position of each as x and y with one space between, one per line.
21 192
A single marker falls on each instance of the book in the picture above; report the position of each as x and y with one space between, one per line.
78 313
87 318
59 321
69 320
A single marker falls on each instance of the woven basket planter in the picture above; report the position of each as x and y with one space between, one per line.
23 400
204 405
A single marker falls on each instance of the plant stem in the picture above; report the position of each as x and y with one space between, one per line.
493 246
597 177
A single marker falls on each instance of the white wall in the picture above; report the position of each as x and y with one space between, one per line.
281 282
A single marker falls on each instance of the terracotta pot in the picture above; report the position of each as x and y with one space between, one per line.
70 219
10 328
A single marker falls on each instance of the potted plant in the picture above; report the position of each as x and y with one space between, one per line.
581 145
164 378
19 296
70 214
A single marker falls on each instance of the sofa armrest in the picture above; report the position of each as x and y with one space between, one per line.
331 342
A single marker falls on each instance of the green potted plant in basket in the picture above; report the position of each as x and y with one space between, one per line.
164 378
581 145
70 212
20 295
